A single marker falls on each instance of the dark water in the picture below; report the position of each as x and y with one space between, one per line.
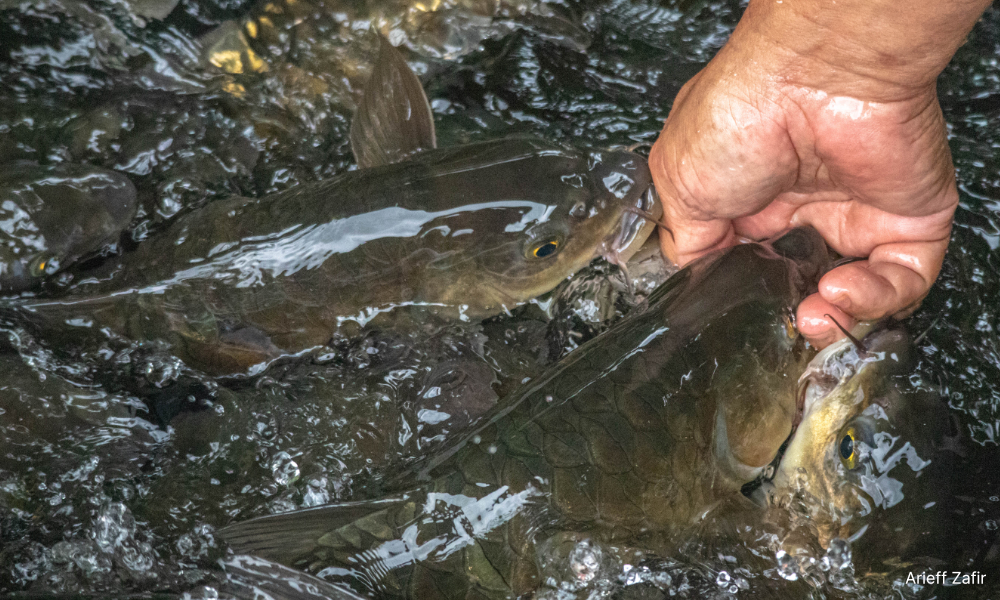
118 466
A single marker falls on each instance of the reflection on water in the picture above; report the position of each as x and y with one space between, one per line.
118 483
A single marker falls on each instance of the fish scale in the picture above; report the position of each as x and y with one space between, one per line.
564 454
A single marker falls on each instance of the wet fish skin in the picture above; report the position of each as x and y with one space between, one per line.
470 231
644 428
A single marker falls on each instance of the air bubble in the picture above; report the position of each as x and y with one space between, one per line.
662 580
114 525
723 579
316 494
197 543
585 561
788 567
284 469
838 555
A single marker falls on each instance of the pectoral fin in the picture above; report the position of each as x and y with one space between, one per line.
291 536
393 119
232 350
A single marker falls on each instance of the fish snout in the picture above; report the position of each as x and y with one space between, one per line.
620 177
635 225
891 340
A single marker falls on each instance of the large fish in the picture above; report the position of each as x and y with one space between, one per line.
644 428
469 231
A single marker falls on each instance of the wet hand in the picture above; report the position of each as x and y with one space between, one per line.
763 139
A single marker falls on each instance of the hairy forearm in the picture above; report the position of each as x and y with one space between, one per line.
878 50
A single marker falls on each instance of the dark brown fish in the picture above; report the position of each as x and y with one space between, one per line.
645 428
467 232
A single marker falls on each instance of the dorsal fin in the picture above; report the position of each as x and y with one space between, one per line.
393 119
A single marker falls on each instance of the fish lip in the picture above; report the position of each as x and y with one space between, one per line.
631 223
834 365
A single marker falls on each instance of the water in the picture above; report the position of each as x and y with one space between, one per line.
117 467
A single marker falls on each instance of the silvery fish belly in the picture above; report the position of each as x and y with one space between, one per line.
644 428
466 232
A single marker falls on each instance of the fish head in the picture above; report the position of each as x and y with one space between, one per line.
53 216
861 436
561 209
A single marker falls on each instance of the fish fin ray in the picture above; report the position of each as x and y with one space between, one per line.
289 536
393 119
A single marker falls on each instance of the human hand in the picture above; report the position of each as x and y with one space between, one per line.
767 137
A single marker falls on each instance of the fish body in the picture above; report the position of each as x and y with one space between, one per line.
644 428
465 229
469 231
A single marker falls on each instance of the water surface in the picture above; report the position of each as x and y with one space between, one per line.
117 466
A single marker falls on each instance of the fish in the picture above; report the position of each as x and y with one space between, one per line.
467 232
53 216
644 428
871 456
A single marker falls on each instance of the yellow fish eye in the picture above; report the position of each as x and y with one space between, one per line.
42 266
848 448
545 249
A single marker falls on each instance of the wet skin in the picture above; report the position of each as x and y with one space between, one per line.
467 232
646 427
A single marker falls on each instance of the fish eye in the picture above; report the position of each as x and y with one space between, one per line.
544 249
43 265
849 449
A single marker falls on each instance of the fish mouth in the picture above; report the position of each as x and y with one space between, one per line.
638 219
